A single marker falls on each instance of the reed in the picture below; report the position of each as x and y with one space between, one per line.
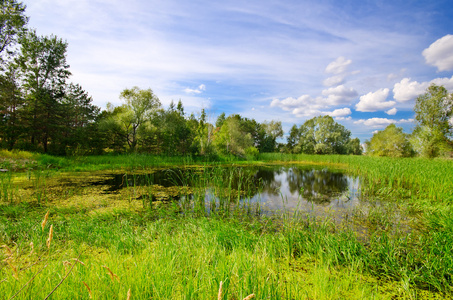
184 250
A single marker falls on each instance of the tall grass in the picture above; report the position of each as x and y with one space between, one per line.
178 258
185 249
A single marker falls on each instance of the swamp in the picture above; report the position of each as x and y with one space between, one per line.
277 227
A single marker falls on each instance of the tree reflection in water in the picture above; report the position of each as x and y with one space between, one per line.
273 184
318 186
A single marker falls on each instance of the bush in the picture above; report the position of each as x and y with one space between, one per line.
251 153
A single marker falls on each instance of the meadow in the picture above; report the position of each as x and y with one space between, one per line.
62 241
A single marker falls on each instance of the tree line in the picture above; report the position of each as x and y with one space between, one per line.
42 110
433 132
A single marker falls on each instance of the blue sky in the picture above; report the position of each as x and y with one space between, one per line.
363 62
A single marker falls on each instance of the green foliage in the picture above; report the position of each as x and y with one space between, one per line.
231 138
220 120
271 131
321 135
434 131
43 69
12 25
390 142
252 153
354 147
174 134
11 114
128 120
293 140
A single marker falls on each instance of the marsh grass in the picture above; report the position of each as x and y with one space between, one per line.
184 249
175 257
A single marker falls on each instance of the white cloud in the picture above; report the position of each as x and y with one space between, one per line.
376 122
392 112
375 101
343 118
334 80
307 112
440 53
406 121
446 82
338 66
343 112
304 106
201 88
406 89
291 103
307 106
339 95
382 122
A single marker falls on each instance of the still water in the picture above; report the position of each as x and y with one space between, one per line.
274 188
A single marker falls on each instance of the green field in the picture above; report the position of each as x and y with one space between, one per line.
126 248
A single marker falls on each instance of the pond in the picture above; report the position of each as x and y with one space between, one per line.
273 188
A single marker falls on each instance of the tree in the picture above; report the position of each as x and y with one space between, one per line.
390 142
43 71
79 115
272 130
11 107
231 138
139 107
202 143
354 147
12 25
220 120
433 115
173 131
293 139
322 135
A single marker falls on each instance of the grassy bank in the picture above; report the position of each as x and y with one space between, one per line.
182 252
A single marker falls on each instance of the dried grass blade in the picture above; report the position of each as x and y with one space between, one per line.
89 290
44 221
219 296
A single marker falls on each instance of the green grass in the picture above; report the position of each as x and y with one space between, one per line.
175 257
182 252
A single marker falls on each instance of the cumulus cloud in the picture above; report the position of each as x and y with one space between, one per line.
343 118
307 106
375 122
446 82
406 121
440 53
338 66
201 88
374 101
304 102
381 122
339 95
406 89
342 112
334 80
392 112
304 106
307 112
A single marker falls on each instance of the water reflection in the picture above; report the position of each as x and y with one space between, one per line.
275 188
308 190
319 186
